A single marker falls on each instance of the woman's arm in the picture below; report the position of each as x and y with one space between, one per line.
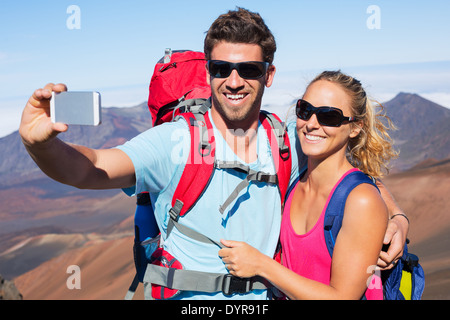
356 251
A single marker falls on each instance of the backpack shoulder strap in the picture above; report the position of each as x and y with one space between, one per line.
335 209
294 183
201 160
200 164
281 149
196 174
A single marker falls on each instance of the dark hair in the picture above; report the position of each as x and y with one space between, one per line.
241 26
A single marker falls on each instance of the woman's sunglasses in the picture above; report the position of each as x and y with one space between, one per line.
250 70
326 116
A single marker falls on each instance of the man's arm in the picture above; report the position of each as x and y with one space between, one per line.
396 232
74 165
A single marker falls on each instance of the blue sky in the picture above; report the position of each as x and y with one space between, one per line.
118 43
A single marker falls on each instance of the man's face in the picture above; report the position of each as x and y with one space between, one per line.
238 100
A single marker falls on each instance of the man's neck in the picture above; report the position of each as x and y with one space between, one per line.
241 136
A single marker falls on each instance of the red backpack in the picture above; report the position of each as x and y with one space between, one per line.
178 76
178 88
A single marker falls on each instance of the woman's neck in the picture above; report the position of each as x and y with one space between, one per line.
323 174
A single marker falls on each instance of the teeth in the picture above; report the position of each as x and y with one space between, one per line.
235 96
315 138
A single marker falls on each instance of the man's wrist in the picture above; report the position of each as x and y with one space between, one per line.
401 215
402 222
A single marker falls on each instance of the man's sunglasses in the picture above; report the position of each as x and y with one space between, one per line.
250 70
326 116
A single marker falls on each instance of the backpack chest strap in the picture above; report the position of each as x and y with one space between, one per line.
174 214
252 175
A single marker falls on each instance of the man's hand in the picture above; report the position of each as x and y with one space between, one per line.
75 165
395 237
396 233
36 126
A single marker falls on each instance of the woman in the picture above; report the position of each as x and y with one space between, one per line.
336 143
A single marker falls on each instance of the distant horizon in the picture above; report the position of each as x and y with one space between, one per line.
280 110
427 79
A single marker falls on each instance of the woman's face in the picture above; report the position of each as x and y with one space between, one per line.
319 141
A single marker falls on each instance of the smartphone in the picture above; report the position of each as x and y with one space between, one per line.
76 107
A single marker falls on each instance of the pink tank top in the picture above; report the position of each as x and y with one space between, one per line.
307 254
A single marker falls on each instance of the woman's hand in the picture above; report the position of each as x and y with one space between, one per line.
241 259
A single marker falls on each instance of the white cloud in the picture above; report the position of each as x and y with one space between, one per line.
442 98
11 113
430 80
383 83
124 97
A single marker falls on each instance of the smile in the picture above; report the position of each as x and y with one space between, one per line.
235 97
313 138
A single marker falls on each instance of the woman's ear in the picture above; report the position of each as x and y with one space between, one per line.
356 129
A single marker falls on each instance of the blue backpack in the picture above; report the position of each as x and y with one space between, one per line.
406 281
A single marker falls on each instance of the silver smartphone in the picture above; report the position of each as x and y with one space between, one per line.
76 107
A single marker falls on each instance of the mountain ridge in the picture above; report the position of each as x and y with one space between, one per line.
33 205
423 133
423 129
118 125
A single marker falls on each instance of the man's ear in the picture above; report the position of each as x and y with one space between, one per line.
270 75
208 80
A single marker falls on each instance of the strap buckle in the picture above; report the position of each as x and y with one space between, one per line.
266 177
232 285
174 212
285 152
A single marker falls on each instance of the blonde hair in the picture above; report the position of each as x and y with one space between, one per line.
372 148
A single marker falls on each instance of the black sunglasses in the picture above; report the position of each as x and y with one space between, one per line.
250 70
326 116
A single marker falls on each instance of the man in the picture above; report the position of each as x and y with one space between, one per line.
146 163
